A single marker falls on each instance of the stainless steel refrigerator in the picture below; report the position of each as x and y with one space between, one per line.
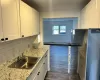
93 55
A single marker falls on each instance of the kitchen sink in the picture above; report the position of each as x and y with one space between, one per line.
24 63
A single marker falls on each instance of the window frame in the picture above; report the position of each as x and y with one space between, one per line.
59 30
62 29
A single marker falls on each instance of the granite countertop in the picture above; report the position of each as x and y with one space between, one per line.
7 73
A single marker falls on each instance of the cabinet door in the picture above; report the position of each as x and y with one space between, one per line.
36 77
89 16
35 22
26 15
1 28
1 32
41 73
98 7
45 65
10 17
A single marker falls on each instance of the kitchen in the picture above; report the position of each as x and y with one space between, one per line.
24 55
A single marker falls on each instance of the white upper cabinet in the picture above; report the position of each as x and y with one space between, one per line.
29 20
26 19
35 21
98 7
1 28
10 18
89 16
17 19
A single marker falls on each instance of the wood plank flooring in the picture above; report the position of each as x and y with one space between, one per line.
59 65
59 58
60 76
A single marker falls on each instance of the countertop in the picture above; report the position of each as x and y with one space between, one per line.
62 44
7 73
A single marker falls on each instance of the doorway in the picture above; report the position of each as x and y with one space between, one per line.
57 30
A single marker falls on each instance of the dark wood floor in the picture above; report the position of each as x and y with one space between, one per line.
60 76
59 65
59 59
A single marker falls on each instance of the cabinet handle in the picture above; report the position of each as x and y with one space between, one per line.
38 73
2 39
22 35
6 38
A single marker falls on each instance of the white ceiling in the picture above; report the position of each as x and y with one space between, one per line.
57 5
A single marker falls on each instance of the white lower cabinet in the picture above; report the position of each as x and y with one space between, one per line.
45 65
41 69
41 73
36 77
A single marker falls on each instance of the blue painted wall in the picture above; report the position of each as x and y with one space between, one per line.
70 23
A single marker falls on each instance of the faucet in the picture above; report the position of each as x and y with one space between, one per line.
18 58
21 56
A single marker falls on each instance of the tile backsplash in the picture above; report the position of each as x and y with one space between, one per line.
14 48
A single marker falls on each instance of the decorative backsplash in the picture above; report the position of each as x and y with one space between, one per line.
11 49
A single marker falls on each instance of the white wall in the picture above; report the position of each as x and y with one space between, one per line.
57 14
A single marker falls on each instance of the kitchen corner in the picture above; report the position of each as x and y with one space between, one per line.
7 73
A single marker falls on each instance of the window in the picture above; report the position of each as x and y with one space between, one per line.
55 30
59 30
62 29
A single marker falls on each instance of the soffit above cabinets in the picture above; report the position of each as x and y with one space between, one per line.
57 5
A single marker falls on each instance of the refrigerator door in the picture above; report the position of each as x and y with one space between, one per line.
93 55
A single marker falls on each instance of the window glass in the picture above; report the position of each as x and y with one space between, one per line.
62 29
59 29
55 29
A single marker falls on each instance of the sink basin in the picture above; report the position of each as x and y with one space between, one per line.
24 63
